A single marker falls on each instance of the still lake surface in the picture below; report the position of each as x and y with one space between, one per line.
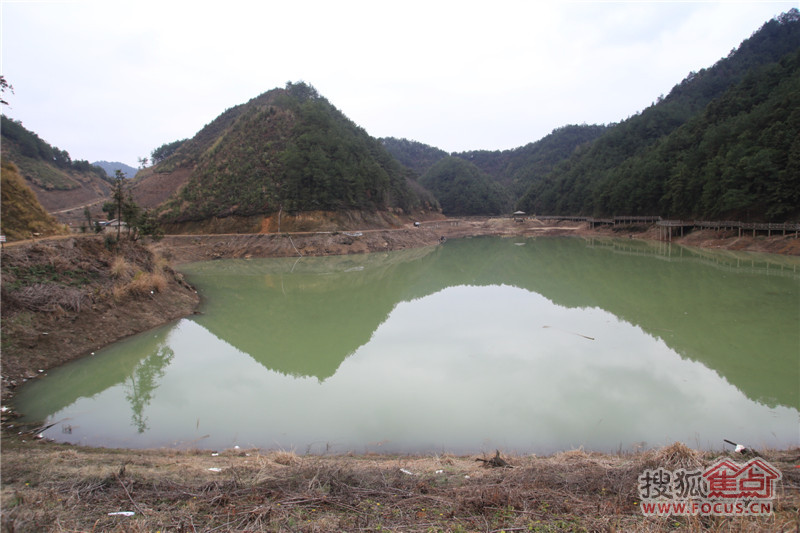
526 345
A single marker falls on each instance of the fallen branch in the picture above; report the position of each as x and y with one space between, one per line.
129 495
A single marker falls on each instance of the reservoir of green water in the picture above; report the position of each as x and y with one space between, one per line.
526 345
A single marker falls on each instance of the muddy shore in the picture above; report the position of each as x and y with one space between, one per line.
188 248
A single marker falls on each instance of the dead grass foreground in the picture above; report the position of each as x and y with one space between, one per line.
50 487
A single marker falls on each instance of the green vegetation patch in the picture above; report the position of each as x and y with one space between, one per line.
46 273
462 189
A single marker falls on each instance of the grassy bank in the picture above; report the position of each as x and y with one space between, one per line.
49 487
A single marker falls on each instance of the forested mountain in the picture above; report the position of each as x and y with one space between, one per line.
417 156
463 189
57 180
286 150
722 144
514 170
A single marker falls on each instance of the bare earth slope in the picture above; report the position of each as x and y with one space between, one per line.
63 298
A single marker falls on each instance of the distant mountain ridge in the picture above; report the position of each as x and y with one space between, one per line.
514 169
111 168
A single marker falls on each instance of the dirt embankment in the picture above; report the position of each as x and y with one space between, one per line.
64 298
189 248
708 238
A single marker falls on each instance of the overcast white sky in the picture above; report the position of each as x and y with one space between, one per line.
115 79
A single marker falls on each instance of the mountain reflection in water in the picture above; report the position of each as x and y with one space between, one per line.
530 344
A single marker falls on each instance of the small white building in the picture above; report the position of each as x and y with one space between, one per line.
113 225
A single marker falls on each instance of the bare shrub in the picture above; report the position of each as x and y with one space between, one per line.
60 263
49 297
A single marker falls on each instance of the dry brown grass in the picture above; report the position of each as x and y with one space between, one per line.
675 456
120 268
119 292
62 488
142 284
284 458
146 283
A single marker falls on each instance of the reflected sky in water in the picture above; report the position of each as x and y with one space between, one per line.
463 366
